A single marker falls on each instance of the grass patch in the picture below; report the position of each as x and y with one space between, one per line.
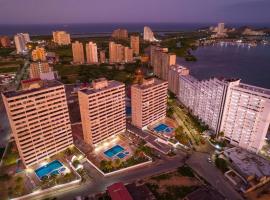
162 177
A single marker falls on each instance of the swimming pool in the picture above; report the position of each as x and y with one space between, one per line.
49 169
163 128
113 151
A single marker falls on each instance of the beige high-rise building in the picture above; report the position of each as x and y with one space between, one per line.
5 41
102 109
61 38
120 34
37 68
135 44
112 52
161 61
175 71
78 52
39 121
148 102
91 53
102 56
119 53
39 54
128 55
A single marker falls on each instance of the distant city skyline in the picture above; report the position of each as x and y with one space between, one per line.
139 11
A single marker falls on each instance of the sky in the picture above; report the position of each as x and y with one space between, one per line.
133 11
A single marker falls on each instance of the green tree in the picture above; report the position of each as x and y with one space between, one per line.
221 164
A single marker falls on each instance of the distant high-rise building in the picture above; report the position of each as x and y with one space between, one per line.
61 38
148 34
175 71
39 54
5 41
39 121
20 40
128 55
220 28
161 61
135 44
102 109
91 53
120 34
148 102
102 56
78 52
119 53
37 68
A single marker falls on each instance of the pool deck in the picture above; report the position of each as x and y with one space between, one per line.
167 121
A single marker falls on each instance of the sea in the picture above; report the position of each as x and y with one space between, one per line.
250 64
46 29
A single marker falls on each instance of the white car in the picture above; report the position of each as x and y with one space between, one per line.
209 160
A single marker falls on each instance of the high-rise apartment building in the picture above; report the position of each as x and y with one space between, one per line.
38 68
39 121
161 61
120 34
39 54
148 102
61 38
246 115
5 41
119 53
241 111
102 109
128 55
102 56
78 52
91 53
148 34
135 44
20 40
220 28
175 71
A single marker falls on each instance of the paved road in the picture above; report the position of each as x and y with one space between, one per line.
198 162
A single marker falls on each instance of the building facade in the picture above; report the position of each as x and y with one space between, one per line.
91 53
39 54
119 53
39 121
78 52
61 38
135 44
148 34
175 71
103 110
239 110
102 56
38 68
20 40
121 34
148 102
5 41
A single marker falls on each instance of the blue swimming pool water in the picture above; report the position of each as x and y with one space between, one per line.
163 128
51 168
121 155
113 151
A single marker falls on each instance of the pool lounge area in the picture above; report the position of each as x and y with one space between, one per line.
54 167
116 151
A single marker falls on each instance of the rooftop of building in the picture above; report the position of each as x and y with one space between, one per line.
101 84
148 83
248 163
44 85
190 78
255 88
118 191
